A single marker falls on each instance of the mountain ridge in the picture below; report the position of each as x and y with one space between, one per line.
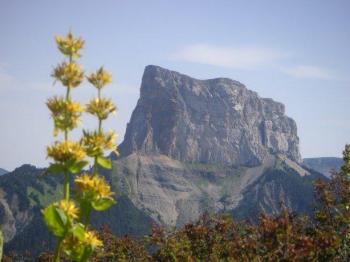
218 121
324 165
3 171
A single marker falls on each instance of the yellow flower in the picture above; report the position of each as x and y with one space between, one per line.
84 182
66 151
69 45
92 240
71 242
96 186
100 78
69 74
102 188
95 142
101 108
65 114
69 208
73 247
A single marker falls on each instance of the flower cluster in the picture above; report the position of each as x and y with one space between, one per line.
94 186
100 78
96 142
66 114
92 240
69 74
101 108
66 152
69 208
69 45
80 246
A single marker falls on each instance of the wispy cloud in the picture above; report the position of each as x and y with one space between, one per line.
309 71
248 58
238 58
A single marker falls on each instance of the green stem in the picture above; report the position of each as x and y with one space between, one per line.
99 126
68 93
58 250
99 129
95 166
66 175
87 218
99 92
65 183
66 186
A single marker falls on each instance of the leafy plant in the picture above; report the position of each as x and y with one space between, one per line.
68 219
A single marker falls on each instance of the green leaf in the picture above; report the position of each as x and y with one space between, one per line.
54 168
104 162
103 204
55 220
86 254
85 206
78 230
77 167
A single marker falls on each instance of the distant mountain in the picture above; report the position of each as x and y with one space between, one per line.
192 146
3 171
209 121
324 165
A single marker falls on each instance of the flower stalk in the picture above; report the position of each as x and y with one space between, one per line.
69 218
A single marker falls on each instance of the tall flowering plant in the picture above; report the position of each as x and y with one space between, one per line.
68 219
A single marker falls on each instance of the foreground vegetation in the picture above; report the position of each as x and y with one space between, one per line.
285 237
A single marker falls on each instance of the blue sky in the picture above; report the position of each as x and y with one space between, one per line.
296 52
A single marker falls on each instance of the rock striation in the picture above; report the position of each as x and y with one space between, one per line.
209 121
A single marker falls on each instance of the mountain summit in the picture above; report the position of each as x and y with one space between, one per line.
208 121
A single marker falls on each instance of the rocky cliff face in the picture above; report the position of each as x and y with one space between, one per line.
209 121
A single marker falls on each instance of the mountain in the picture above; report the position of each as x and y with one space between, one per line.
209 121
202 145
191 146
174 192
3 171
324 165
